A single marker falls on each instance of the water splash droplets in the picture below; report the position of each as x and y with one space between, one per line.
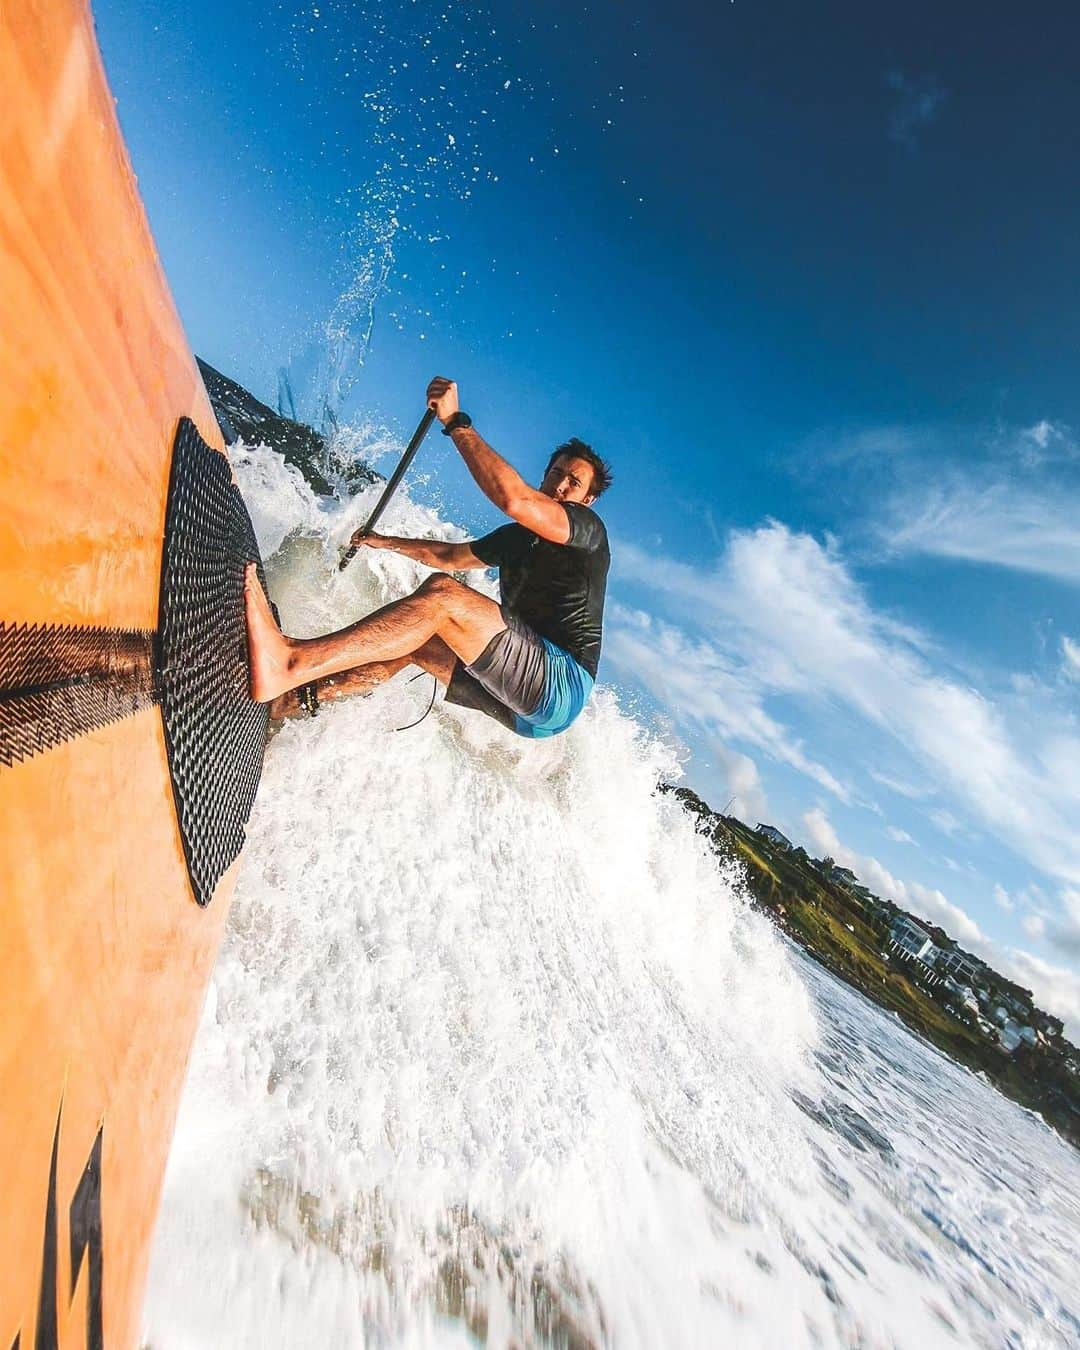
422 169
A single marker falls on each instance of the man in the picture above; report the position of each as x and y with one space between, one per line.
529 662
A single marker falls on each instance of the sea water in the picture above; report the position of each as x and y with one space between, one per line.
497 1053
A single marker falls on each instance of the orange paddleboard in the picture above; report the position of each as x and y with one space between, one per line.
129 750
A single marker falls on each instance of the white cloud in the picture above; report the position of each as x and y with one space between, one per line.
743 783
825 838
791 621
1056 989
920 453
705 687
913 791
901 836
960 926
996 523
1045 443
1034 925
1041 433
1003 899
945 821
909 895
1070 658
1014 510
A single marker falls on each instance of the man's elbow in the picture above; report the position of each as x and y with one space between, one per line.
543 517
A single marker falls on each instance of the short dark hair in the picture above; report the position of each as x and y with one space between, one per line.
602 477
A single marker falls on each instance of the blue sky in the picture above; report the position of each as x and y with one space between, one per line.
808 275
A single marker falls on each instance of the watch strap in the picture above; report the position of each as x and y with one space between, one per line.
459 419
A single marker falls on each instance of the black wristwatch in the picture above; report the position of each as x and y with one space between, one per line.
459 419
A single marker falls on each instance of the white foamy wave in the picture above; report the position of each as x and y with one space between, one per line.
496 1053
281 503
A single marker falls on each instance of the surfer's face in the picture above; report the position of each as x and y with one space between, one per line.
569 480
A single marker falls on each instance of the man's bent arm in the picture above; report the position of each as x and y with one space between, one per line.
437 553
504 486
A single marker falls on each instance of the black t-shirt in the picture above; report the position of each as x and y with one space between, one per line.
558 589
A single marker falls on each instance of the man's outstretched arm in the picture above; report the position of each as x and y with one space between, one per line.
499 481
437 553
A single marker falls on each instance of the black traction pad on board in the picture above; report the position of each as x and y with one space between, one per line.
61 681
214 733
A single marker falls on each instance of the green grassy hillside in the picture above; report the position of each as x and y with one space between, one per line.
849 936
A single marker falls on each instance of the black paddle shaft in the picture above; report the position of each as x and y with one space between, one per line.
392 486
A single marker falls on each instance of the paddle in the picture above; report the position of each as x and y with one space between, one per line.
392 486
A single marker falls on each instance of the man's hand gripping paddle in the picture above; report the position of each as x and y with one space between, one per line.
392 486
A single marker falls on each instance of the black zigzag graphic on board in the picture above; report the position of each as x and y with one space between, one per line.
58 682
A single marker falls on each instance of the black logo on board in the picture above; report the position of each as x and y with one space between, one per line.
85 1238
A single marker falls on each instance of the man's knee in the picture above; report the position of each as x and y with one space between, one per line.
440 583
462 617
449 596
441 589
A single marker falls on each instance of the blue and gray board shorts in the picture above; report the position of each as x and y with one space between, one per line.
523 681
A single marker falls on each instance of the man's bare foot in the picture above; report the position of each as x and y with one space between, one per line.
269 651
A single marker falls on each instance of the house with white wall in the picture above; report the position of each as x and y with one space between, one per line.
911 937
960 965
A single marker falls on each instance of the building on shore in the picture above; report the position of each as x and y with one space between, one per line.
773 835
910 936
960 965
914 944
